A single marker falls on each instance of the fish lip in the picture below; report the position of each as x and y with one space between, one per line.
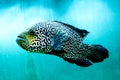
20 39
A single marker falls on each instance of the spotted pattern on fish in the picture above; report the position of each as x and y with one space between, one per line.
63 40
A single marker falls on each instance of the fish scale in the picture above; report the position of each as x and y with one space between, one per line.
63 40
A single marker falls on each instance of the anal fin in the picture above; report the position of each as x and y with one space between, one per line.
72 58
77 59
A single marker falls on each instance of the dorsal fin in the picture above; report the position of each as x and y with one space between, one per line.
82 32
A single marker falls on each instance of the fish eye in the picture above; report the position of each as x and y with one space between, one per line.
31 32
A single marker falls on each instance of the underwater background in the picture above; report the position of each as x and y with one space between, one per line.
100 17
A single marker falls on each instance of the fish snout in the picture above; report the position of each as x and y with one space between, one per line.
20 38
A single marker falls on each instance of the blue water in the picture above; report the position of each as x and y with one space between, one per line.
100 17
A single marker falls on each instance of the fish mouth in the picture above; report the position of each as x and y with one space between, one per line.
20 40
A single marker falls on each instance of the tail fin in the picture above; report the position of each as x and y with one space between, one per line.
97 53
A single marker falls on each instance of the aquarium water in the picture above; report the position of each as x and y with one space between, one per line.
100 17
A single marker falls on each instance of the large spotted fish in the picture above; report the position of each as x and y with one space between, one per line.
63 40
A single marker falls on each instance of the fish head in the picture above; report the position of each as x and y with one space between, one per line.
34 41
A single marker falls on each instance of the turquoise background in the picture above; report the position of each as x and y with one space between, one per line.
100 17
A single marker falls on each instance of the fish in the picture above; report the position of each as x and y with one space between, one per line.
62 40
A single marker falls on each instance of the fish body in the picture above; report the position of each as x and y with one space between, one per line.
63 40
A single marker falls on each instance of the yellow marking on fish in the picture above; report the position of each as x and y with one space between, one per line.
30 39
